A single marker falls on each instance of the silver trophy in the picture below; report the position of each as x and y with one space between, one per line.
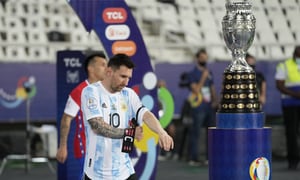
238 31
239 92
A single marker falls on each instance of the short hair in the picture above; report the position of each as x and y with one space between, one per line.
249 56
120 60
200 51
90 58
296 52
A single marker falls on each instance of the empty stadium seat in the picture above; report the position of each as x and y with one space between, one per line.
185 4
14 8
36 9
219 53
57 23
13 22
289 3
16 54
16 36
271 3
35 36
2 53
38 54
202 3
35 22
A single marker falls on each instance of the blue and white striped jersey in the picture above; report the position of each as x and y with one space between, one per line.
104 159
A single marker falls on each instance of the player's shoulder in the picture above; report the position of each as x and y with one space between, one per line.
127 90
92 86
79 87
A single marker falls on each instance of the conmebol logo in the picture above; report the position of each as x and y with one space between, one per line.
114 15
117 32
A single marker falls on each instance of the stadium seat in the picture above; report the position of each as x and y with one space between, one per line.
35 36
35 22
277 53
279 24
16 36
193 39
212 37
285 37
14 8
133 3
297 36
16 54
217 3
184 4
2 10
37 9
186 12
220 53
219 13
168 13
81 38
271 3
38 54
263 53
75 24
256 4
2 53
289 50
288 3
57 23
13 22
202 3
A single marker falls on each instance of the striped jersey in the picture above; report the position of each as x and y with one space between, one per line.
104 159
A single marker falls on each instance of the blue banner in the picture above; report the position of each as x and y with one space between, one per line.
69 73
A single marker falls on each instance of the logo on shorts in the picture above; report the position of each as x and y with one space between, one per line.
92 103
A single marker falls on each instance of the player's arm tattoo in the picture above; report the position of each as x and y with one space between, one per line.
100 127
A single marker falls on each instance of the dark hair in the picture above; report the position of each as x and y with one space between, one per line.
200 51
120 60
90 58
296 52
249 56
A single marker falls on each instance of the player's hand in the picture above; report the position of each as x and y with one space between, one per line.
139 133
166 141
62 154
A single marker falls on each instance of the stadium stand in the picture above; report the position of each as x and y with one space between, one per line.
35 29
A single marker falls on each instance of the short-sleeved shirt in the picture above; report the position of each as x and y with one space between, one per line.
104 159
72 108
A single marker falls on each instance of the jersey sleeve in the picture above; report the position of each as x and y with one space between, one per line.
137 106
71 107
90 103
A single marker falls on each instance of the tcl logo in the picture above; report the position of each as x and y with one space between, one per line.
114 15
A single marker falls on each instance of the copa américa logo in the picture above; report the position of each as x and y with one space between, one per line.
260 169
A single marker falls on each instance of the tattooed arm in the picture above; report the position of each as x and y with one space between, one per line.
100 127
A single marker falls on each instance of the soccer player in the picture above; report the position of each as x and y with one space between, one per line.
95 66
108 107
